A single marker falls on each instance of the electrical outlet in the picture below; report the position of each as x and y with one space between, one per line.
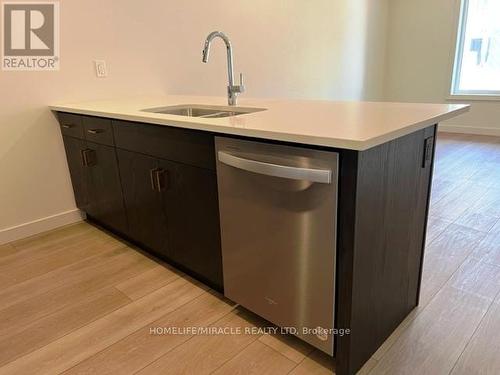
100 68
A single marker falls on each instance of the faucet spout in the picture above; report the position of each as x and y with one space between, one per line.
232 89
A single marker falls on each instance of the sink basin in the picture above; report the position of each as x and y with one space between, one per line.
203 111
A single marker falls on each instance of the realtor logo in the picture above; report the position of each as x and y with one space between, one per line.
30 35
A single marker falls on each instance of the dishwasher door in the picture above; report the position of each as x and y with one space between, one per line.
278 207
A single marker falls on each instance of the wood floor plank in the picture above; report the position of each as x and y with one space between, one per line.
54 236
477 220
456 240
444 256
147 282
52 280
484 213
487 174
61 258
478 278
35 252
471 276
448 158
433 341
489 204
438 269
458 201
481 356
316 363
204 354
488 250
43 331
368 367
257 359
435 338
289 346
124 266
6 250
435 226
464 164
79 345
441 188
142 347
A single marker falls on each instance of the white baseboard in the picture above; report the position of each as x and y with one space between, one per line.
469 130
38 226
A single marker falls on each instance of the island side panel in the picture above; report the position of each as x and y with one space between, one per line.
345 256
424 200
382 224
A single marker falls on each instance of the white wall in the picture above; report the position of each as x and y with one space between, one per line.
420 52
316 49
287 48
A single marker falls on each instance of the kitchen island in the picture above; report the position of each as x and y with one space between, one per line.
151 178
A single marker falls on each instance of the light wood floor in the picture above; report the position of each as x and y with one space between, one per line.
78 301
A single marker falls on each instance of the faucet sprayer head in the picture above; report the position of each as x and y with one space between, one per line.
206 52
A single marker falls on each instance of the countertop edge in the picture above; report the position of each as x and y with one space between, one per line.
269 135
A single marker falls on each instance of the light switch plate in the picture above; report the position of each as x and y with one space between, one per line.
101 70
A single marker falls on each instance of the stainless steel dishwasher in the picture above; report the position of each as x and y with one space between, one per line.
278 207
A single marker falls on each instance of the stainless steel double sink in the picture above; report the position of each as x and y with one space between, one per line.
203 111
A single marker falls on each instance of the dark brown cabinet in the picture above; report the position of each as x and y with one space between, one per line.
156 185
146 215
95 176
173 211
105 199
191 203
74 154
170 190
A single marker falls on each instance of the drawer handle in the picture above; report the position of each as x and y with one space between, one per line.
95 131
88 158
68 126
152 177
84 157
161 179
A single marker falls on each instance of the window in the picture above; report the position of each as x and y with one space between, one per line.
477 61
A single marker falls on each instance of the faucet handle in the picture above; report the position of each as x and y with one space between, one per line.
242 86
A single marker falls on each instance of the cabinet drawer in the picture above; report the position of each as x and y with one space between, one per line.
98 130
71 125
186 146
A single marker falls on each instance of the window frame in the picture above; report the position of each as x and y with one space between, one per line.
455 93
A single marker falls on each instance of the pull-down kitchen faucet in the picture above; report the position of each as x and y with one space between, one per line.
232 89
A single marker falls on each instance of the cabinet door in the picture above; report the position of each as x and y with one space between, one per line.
74 148
193 225
146 216
105 198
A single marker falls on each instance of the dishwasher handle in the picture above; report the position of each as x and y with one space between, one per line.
322 176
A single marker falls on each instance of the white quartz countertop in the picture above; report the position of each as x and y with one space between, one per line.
348 125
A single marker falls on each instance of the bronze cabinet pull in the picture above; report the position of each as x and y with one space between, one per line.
84 157
161 179
153 180
89 157
95 131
